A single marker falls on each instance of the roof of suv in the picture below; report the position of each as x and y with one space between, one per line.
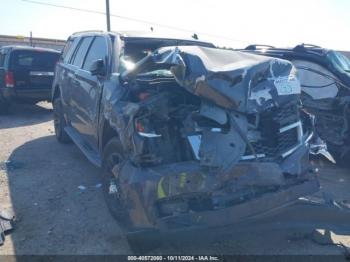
30 48
143 35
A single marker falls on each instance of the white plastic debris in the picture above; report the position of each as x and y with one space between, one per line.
113 189
81 187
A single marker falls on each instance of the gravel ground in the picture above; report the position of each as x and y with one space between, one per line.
40 179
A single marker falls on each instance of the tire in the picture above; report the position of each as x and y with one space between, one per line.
139 241
113 156
60 122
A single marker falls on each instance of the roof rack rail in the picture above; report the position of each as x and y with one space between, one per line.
308 45
255 47
88 31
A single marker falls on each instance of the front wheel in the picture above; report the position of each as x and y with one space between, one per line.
113 158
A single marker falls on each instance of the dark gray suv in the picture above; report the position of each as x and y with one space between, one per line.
26 74
189 136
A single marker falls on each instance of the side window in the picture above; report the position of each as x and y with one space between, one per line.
69 49
98 50
81 52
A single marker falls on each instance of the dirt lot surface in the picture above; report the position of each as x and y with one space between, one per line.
40 179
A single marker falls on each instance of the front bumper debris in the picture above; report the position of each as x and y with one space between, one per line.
239 213
186 195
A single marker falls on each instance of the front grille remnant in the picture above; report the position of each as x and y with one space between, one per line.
280 132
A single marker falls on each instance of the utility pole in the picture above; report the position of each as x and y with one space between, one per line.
31 38
108 16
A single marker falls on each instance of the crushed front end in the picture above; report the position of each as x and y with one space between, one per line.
212 137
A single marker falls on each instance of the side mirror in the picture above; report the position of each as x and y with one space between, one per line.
98 68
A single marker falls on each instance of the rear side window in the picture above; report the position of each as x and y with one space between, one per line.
81 52
69 49
34 60
98 50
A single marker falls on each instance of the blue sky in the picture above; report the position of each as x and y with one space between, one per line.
274 22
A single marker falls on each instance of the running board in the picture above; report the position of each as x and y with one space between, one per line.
90 153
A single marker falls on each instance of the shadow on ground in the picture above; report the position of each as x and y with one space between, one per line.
53 215
26 115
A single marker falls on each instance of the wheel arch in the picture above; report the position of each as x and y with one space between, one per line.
108 132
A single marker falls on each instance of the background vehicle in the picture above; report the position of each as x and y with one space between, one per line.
325 80
182 143
26 74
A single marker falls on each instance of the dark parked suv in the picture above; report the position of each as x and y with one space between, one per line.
189 136
325 80
26 74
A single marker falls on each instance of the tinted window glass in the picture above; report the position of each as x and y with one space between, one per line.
69 49
34 60
97 51
81 52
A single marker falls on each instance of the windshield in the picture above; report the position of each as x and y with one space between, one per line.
339 61
138 48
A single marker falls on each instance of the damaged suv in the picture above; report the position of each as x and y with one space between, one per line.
189 136
325 80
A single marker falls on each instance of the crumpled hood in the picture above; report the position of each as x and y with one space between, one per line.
248 105
231 79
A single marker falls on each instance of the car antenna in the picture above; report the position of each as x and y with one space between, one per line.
195 36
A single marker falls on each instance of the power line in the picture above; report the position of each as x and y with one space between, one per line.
135 20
